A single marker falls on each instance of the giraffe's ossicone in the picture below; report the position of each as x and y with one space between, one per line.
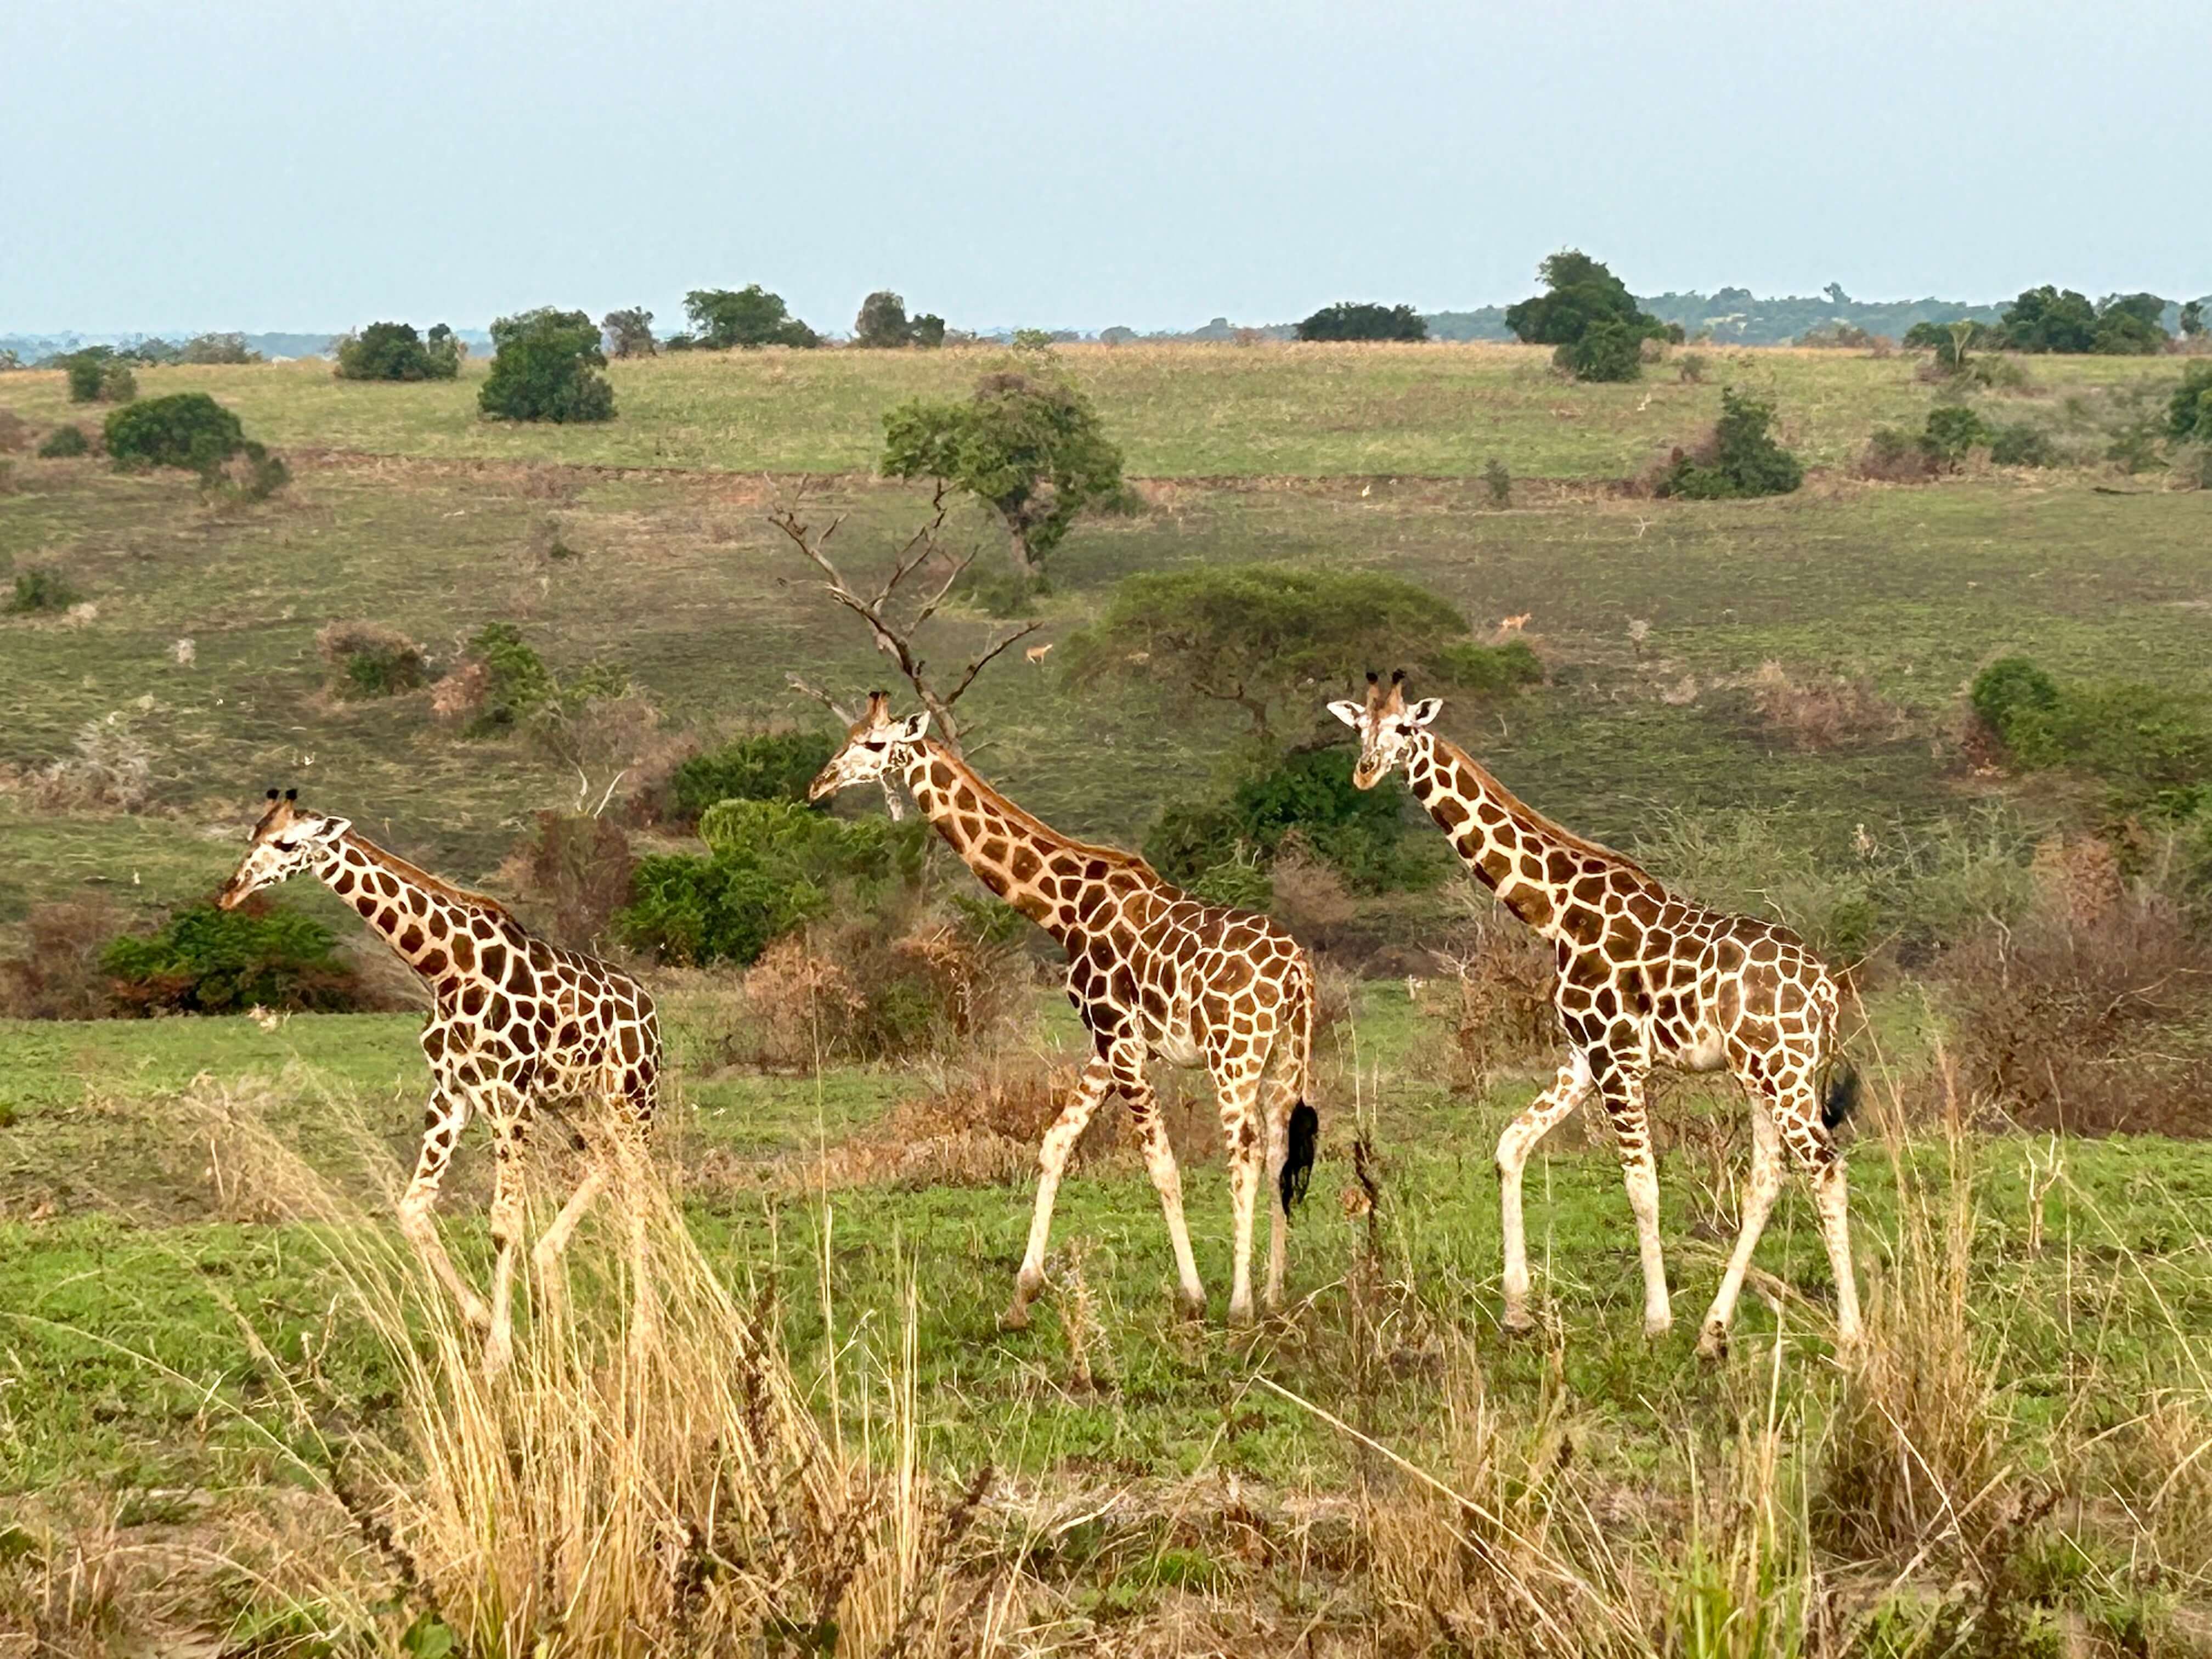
1154 973
1645 979
516 1023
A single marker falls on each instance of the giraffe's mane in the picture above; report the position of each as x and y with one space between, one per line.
1551 828
421 877
1029 821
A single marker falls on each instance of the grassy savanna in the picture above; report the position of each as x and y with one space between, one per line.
214 1383
1178 410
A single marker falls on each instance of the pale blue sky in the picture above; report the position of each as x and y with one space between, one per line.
269 166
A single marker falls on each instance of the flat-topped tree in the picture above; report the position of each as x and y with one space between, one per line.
1645 979
1154 973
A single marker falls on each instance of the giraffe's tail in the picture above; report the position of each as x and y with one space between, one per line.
1304 1126
1841 1097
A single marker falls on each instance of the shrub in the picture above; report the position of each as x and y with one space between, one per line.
542 369
514 681
394 351
1498 482
110 765
2051 320
2011 697
766 766
2151 746
2189 414
1352 321
574 873
1580 293
41 588
2022 443
629 332
1691 371
63 443
1258 637
928 331
772 865
217 348
1741 459
59 976
367 660
1240 881
883 321
206 961
1893 457
1606 351
1826 713
749 316
1029 445
185 429
1505 976
251 475
1952 343
15 432
1951 431
97 375
1488 669
1361 835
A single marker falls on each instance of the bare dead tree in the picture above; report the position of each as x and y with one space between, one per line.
895 612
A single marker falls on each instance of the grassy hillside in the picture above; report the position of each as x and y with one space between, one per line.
1178 410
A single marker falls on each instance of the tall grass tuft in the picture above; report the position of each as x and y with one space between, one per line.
649 1476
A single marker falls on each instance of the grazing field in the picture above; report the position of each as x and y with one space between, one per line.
226 1405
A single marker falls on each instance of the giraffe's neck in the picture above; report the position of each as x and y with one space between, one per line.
414 913
1024 861
1528 861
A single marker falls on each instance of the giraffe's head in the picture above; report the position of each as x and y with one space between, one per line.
1385 723
286 841
875 745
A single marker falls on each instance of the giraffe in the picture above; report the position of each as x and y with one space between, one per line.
516 1024
1154 973
1645 979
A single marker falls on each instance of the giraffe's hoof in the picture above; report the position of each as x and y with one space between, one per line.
1192 1309
498 1355
1016 1317
1240 1318
1658 1324
1517 1322
1713 1342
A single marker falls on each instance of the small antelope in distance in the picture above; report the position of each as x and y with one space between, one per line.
516 1024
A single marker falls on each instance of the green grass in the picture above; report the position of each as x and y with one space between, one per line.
1178 411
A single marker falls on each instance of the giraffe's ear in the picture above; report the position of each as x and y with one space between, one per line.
1425 711
912 728
1350 713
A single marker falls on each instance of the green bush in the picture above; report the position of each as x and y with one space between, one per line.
1580 293
64 443
1498 478
1362 835
1239 883
772 865
2022 443
1741 460
2011 693
41 588
750 316
2188 415
1951 431
1487 669
768 766
543 369
367 660
394 351
2149 745
186 430
1354 321
517 681
1607 350
206 961
98 375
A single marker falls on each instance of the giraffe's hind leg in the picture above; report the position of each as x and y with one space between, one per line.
443 1121
508 1118
1814 1149
1760 1191
1621 1085
1236 1084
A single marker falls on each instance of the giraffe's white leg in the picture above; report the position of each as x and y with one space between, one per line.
1513 1146
1281 1096
1238 1089
1764 1183
1167 1179
1816 1153
1052 1161
507 1128
1622 1087
442 1122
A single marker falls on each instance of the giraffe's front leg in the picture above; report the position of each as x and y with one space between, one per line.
443 1120
1622 1084
1052 1163
1759 1194
1513 1146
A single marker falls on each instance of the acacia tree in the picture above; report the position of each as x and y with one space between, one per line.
883 321
1350 320
1029 445
630 332
542 369
1582 297
921 574
1261 636
752 316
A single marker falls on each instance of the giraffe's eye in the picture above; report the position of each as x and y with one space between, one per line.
287 845
876 744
